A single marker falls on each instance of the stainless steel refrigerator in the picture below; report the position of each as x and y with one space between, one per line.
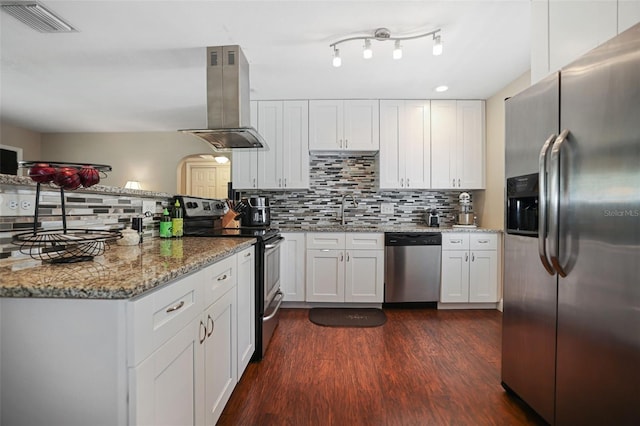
571 323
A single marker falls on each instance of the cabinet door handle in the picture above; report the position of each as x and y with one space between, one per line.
458 183
254 182
347 256
175 307
248 254
280 183
408 184
341 257
340 143
285 182
346 143
222 278
466 257
473 257
210 320
202 333
453 183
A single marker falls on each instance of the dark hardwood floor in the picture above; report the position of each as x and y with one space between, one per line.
423 367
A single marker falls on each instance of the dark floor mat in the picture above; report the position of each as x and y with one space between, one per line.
347 317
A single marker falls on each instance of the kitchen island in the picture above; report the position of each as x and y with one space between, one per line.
140 335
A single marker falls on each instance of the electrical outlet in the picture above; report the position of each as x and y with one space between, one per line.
16 205
386 208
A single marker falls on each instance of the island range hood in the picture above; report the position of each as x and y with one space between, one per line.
228 111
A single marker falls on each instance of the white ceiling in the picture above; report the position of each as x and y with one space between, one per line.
140 65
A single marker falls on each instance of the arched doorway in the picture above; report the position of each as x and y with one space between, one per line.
204 175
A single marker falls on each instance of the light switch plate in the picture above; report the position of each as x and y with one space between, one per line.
386 208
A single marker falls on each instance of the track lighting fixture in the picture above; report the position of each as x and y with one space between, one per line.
336 57
383 34
397 50
367 53
437 45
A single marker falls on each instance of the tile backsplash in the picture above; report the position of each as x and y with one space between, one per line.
84 210
332 176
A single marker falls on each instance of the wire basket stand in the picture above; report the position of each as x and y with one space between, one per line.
66 245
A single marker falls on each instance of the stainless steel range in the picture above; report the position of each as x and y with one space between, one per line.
202 218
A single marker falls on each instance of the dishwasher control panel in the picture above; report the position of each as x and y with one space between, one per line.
412 239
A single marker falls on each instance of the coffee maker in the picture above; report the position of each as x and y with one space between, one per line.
255 212
465 214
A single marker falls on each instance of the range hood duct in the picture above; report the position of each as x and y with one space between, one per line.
228 110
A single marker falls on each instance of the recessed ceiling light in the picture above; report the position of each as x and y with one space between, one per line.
442 88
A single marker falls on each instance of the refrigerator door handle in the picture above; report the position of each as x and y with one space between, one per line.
554 202
542 205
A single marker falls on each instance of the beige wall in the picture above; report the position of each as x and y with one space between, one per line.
490 202
18 137
151 158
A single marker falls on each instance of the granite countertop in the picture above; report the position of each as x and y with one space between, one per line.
407 227
121 272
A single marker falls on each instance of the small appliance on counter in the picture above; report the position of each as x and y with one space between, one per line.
254 212
434 218
465 217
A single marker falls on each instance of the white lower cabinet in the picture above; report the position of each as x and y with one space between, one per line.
469 268
220 356
166 384
167 357
246 313
345 267
292 267
206 348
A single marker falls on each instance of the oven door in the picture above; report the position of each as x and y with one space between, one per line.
272 295
271 269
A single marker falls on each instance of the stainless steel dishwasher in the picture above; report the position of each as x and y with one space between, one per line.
412 267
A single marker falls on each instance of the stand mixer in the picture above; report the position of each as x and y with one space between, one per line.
465 215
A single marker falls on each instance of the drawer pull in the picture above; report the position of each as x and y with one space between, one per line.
222 278
483 241
456 241
175 307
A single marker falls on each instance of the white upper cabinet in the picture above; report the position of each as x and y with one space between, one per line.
295 137
285 165
405 144
244 162
285 127
457 144
344 125
563 30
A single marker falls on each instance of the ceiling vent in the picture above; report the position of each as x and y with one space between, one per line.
38 17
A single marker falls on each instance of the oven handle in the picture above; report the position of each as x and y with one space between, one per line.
274 245
275 311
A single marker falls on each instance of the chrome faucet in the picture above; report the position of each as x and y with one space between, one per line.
344 198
